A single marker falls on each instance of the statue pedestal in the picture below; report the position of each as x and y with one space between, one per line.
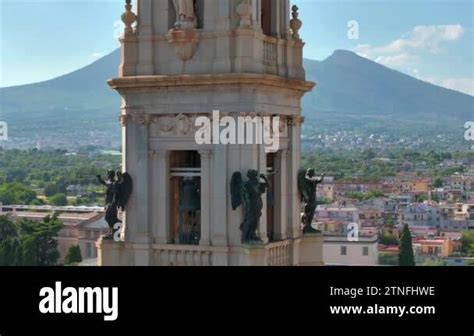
249 255
109 252
311 250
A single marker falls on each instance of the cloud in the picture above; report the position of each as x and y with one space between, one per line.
406 52
97 55
465 85
118 28
397 60
421 38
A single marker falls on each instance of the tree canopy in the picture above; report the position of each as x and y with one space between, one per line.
29 243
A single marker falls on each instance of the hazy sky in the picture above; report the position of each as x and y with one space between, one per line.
429 39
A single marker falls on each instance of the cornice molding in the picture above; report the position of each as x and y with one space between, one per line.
140 82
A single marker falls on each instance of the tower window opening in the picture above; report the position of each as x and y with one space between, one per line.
267 17
185 197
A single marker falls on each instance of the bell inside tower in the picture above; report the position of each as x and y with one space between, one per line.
185 197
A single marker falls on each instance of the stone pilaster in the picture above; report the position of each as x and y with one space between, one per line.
136 164
219 197
263 230
294 162
281 196
163 229
145 38
205 197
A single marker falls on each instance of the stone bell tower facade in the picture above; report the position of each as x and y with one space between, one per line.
184 59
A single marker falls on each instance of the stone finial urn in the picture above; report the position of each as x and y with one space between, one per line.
295 23
244 10
128 18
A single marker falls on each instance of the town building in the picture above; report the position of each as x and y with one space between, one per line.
420 215
81 229
339 251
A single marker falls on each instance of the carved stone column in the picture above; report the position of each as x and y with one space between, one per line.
205 197
145 38
163 229
263 231
294 162
281 195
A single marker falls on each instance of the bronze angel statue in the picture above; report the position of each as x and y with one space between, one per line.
249 195
307 184
118 190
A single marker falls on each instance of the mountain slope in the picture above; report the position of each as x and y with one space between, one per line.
73 110
349 84
79 108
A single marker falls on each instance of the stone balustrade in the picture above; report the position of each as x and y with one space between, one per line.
278 254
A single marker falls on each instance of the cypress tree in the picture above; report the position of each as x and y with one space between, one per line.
406 257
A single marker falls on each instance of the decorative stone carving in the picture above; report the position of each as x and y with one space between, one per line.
183 37
185 14
295 23
173 125
166 124
141 118
283 127
295 121
184 42
244 10
183 124
129 18
124 119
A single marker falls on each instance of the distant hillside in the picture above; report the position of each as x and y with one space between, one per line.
352 85
80 108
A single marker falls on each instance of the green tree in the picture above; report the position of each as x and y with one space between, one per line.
388 238
7 228
58 200
16 193
388 259
420 198
438 183
30 243
54 188
37 202
73 255
467 243
406 257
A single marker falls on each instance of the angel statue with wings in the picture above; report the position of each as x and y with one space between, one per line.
249 194
307 184
118 191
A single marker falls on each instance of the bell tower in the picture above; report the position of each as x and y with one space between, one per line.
185 60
